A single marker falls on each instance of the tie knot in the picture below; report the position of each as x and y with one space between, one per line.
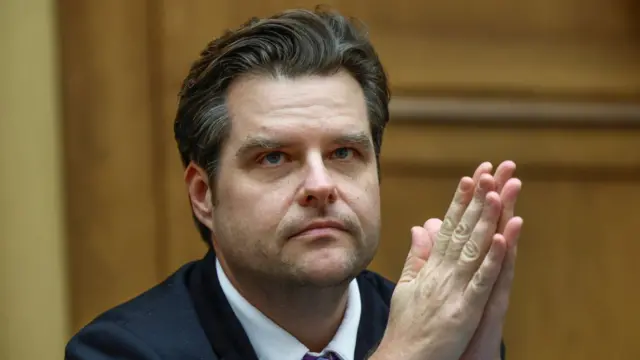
326 356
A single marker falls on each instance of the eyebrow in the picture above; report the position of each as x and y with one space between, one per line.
359 139
262 143
255 143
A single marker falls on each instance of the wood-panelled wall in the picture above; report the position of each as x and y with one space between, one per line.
575 296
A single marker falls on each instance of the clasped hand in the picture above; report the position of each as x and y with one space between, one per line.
452 297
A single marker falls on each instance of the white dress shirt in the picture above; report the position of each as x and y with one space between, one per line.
271 342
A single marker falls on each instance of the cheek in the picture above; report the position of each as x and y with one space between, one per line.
261 206
364 199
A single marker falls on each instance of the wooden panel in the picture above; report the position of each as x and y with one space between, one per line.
110 158
572 297
571 277
180 42
549 147
545 48
129 219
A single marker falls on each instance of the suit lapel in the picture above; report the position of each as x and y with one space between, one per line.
223 330
373 320
227 336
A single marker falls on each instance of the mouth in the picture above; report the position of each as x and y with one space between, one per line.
321 228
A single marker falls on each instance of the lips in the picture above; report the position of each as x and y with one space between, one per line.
321 226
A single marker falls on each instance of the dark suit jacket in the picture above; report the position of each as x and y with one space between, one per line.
187 317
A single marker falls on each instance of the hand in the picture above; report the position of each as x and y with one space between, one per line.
485 344
439 302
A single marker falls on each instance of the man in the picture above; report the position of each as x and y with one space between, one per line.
280 128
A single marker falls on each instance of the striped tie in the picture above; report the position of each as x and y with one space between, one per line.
327 356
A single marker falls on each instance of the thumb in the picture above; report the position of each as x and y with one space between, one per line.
421 243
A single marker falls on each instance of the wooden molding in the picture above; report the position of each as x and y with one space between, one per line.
513 110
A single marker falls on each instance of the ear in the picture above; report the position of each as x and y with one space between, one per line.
199 190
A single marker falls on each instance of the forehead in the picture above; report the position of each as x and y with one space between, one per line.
298 107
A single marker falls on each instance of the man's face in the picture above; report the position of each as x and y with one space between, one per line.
299 155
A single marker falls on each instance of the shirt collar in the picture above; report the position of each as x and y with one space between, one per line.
271 342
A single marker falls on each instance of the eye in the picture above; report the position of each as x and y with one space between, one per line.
273 158
343 153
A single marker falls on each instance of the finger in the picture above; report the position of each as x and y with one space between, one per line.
432 226
461 199
457 208
480 287
500 295
504 172
493 318
484 168
418 254
470 217
486 341
508 196
479 243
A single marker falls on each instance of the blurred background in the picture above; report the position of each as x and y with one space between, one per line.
93 209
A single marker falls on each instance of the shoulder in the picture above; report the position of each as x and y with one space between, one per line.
159 323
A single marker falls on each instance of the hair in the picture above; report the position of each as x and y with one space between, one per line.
291 44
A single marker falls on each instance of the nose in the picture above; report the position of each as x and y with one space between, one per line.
319 188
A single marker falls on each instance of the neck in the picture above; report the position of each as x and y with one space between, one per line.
294 308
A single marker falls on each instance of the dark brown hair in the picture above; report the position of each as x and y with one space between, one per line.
289 44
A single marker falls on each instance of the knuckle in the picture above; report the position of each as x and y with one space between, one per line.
479 193
486 275
446 229
442 240
480 281
459 199
463 230
470 251
458 240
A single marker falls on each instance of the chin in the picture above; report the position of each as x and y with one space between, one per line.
324 279
327 268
